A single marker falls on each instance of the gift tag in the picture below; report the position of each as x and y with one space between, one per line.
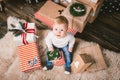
76 64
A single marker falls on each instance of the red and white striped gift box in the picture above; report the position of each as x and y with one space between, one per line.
73 31
26 54
60 61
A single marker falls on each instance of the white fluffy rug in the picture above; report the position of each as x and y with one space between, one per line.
10 68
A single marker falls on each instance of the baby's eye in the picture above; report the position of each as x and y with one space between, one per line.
56 29
62 30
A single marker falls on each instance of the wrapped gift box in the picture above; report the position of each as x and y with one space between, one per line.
95 12
65 2
77 23
81 62
91 3
48 12
29 57
60 61
95 52
52 56
25 37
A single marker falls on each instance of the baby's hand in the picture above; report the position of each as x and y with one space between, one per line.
70 49
51 49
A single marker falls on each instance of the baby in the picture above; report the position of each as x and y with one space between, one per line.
61 39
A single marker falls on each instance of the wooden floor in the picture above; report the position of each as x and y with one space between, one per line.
105 30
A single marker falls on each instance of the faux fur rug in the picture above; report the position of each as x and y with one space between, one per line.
10 67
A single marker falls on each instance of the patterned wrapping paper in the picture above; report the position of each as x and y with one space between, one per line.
77 23
60 61
25 38
29 57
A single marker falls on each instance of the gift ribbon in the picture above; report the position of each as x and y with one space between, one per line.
24 34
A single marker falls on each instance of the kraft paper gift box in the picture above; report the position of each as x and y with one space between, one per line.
60 61
29 57
81 62
95 11
25 37
91 3
65 2
77 23
95 52
48 12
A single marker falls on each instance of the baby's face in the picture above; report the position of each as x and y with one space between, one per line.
60 30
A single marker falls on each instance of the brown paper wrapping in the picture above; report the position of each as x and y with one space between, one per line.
95 12
48 12
91 3
81 62
95 52
77 23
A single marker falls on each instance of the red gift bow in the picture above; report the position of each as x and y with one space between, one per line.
25 31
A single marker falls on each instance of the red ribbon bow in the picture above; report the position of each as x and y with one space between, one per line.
24 34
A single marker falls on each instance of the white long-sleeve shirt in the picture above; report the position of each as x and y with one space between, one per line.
51 40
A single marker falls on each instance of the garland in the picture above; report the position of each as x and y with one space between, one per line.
77 9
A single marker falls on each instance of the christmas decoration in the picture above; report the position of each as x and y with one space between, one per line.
21 30
77 9
60 61
24 33
29 57
111 6
77 23
53 55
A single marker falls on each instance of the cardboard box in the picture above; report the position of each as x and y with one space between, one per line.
77 23
29 57
95 52
91 3
53 10
26 37
95 12
60 61
81 62
65 2
48 12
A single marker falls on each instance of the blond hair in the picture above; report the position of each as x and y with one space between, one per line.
61 20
